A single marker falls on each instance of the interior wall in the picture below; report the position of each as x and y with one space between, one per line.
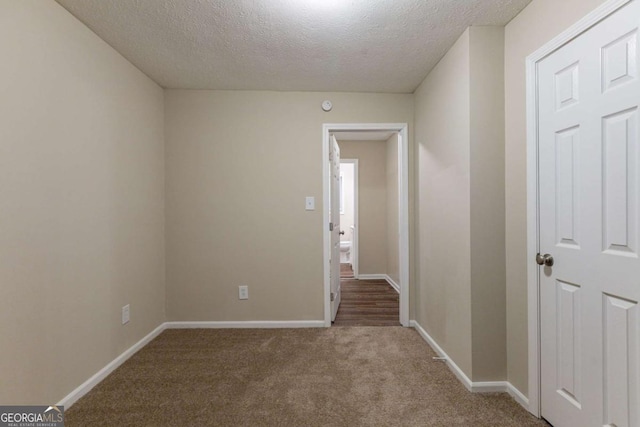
393 234
537 24
81 212
372 195
347 171
488 293
443 285
460 288
235 199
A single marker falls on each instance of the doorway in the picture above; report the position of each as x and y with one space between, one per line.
583 159
402 209
349 209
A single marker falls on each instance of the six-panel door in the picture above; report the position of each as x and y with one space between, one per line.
588 98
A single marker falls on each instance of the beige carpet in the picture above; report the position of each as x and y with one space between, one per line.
348 376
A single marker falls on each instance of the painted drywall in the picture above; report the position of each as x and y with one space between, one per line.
443 279
460 290
488 294
393 234
347 171
81 212
372 207
537 24
238 167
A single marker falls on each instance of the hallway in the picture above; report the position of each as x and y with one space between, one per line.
366 302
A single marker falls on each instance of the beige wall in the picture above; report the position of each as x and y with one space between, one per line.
235 200
81 212
460 135
443 287
393 235
531 29
488 293
372 208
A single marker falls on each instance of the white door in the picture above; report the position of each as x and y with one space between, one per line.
589 223
334 215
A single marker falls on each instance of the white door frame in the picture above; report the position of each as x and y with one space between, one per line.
533 232
355 262
403 208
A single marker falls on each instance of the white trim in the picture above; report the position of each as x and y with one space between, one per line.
373 277
403 223
391 282
473 387
355 264
86 386
336 302
464 379
533 300
326 235
403 206
252 324
518 396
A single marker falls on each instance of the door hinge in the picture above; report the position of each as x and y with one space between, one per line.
333 296
330 226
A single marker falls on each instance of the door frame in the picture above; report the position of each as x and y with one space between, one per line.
403 208
533 225
356 220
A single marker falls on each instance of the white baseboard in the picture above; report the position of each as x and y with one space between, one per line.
393 284
518 396
477 387
372 277
474 387
86 387
386 277
257 324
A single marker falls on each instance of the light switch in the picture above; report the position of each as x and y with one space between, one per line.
310 203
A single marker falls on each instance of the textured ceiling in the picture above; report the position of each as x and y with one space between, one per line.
310 45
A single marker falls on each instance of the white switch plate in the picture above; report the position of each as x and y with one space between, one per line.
310 203
125 314
243 292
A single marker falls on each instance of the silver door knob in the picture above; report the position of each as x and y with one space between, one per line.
545 259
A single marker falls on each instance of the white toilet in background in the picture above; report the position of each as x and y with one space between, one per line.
345 252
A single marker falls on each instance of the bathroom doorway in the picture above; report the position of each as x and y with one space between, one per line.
398 227
349 218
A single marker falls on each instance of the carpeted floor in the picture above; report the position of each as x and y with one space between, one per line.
349 376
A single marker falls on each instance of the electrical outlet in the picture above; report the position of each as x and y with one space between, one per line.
310 203
125 314
243 292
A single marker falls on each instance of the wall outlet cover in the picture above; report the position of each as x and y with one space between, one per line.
310 203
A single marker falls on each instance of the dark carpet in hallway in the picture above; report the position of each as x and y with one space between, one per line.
351 376
368 303
346 272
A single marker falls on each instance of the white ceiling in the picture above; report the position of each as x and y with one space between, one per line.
307 45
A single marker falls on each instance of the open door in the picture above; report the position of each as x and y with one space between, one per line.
334 226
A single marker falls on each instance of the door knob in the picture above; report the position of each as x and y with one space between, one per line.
342 233
545 259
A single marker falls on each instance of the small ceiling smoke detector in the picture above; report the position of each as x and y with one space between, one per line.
327 106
